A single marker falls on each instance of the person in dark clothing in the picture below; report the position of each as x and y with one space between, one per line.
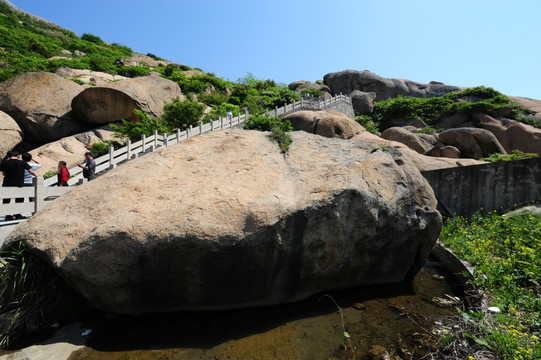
89 167
13 169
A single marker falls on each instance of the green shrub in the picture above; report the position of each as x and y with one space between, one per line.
100 148
92 38
515 155
368 123
427 130
267 123
313 92
181 114
146 126
221 111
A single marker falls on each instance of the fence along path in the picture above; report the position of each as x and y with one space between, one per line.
44 192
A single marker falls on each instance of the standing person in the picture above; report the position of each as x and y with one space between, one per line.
13 170
89 167
63 174
34 165
229 115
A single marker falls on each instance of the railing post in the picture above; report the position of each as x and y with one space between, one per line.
238 118
211 125
189 131
221 122
276 111
319 103
165 140
200 127
178 135
39 193
302 102
112 164
155 139
143 143
230 122
128 149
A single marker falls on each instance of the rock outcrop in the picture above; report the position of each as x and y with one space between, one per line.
348 81
363 102
418 142
41 104
473 143
254 228
117 100
95 78
10 134
325 123
513 135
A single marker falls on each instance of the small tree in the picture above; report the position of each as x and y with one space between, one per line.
146 126
181 114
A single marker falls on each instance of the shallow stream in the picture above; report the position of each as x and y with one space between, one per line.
381 320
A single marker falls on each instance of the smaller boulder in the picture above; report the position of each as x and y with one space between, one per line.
418 142
446 151
10 133
363 102
325 123
473 143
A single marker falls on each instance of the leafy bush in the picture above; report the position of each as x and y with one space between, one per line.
426 130
146 126
221 111
367 122
181 114
267 123
101 147
515 155
313 92
92 38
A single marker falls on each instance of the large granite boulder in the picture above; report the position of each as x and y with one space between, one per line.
116 101
325 123
512 135
349 80
88 77
178 230
473 143
10 134
418 142
41 104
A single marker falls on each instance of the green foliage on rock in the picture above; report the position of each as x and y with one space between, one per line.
515 155
146 126
432 110
181 114
367 122
277 126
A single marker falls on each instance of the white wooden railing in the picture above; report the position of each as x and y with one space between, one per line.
43 191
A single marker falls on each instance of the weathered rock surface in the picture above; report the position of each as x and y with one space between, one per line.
440 150
307 85
96 78
254 228
473 143
41 104
363 102
418 142
349 80
513 134
325 123
70 149
10 134
530 104
310 121
116 101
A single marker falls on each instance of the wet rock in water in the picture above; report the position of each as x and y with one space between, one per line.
225 220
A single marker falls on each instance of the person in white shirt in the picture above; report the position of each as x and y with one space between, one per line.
34 165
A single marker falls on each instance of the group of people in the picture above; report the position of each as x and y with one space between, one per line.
18 171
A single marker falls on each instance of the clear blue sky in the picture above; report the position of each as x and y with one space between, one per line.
493 43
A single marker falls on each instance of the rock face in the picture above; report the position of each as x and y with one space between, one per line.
513 134
325 123
363 102
10 134
473 143
349 80
41 104
254 228
117 100
418 142
96 78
